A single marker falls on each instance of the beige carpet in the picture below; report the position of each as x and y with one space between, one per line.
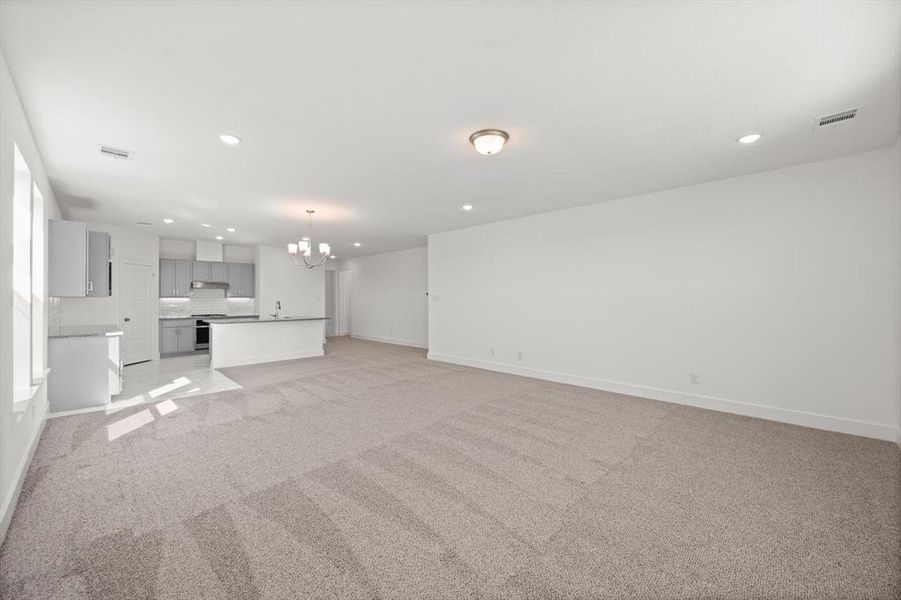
374 473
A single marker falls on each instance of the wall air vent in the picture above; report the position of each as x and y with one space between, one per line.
115 152
840 117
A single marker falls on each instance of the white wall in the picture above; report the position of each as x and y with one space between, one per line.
389 302
18 432
301 291
781 290
187 250
127 245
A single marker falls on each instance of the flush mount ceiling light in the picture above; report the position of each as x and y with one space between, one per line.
168 221
750 138
357 244
231 140
230 229
219 237
489 141
466 207
304 247
207 225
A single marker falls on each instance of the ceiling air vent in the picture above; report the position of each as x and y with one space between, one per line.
115 152
845 115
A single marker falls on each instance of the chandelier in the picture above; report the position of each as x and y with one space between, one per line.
304 247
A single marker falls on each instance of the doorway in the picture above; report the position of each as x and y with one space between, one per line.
136 289
344 302
331 283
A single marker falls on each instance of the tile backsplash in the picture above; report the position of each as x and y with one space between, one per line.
207 302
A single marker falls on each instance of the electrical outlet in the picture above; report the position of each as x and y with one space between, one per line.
694 378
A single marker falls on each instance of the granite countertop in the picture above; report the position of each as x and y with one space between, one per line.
237 320
189 317
85 331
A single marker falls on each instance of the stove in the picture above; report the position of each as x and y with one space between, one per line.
202 330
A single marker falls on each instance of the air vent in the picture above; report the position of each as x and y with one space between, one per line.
115 152
845 115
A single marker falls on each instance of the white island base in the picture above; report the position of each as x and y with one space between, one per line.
252 341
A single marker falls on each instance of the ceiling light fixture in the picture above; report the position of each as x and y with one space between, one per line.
304 247
466 207
357 244
231 140
489 141
219 237
207 225
168 221
750 138
230 229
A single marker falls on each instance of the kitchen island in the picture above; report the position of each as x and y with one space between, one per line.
254 340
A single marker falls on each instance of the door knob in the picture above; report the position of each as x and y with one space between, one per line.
127 319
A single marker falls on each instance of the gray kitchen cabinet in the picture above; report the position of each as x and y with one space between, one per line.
175 278
176 336
185 337
99 271
68 259
78 261
200 271
218 271
168 340
240 280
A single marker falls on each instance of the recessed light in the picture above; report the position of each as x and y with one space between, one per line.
230 229
168 221
466 207
231 140
749 139
357 244
207 225
218 237
333 257
489 141
304 239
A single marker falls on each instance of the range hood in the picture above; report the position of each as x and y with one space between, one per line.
209 285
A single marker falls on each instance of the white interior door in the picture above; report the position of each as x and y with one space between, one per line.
136 289
344 302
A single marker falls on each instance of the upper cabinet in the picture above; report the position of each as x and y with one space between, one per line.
175 278
99 266
240 280
79 261
209 271
201 271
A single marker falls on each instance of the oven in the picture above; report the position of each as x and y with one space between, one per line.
202 332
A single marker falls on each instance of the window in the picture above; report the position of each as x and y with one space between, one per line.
38 358
22 293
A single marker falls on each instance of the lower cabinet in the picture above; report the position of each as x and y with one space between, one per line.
176 336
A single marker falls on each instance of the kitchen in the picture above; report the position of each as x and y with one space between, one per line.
157 297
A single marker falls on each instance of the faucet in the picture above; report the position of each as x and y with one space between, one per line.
278 307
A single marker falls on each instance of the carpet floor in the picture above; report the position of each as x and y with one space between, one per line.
374 473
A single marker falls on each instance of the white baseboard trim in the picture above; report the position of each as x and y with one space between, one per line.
268 358
10 502
397 342
783 415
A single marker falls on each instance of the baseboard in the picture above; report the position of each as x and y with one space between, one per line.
397 342
10 502
793 417
269 358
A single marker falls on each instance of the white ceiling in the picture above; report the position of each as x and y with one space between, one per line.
362 111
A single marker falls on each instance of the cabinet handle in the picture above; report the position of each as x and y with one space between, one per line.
90 286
